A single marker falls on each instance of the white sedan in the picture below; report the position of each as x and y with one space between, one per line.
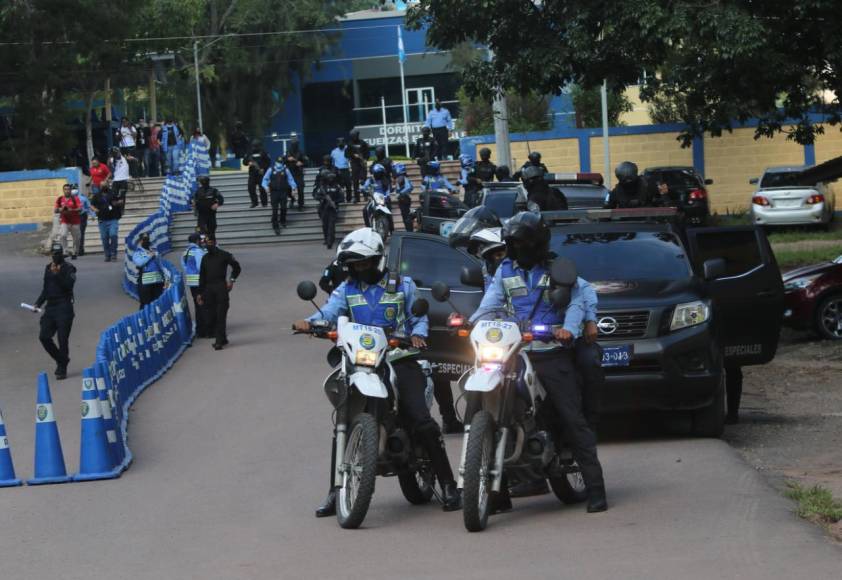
779 200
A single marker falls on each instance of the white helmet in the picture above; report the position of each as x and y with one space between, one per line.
487 240
359 245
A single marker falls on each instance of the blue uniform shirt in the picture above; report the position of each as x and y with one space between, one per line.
437 182
589 298
339 159
337 305
268 177
494 301
438 118
404 188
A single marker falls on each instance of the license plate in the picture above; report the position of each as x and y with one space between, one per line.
616 356
445 228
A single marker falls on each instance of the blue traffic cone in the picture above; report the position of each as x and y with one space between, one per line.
49 460
95 459
7 468
109 415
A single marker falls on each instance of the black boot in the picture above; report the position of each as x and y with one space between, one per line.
452 425
596 500
500 502
530 488
328 507
451 496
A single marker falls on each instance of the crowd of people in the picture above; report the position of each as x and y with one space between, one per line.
155 149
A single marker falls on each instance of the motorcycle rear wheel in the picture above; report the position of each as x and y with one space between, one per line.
355 493
479 461
569 488
415 489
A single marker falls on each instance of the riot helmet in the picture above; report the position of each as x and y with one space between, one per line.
626 172
527 238
474 220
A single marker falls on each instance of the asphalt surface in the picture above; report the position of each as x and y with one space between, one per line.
231 457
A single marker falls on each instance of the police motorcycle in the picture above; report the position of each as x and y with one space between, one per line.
378 213
509 434
369 438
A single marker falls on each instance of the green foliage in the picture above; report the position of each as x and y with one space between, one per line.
776 60
792 257
588 106
526 113
815 503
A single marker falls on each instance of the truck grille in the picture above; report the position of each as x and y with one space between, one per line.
625 324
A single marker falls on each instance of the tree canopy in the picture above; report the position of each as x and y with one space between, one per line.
728 61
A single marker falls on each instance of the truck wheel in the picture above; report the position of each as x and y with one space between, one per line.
710 421
828 317
479 461
360 472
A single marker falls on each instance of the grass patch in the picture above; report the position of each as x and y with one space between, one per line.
791 258
801 234
815 503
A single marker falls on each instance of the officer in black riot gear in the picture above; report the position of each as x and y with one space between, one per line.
329 195
207 202
426 149
484 168
539 192
632 190
357 153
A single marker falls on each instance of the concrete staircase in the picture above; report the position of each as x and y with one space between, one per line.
238 224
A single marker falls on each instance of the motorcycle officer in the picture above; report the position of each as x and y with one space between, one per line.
485 169
435 180
373 296
380 157
539 192
357 153
403 187
207 202
520 287
426 150
329 195
632 190
533 160
469 181
378 182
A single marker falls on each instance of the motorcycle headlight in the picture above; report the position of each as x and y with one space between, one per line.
689 314
800 283
366 358
491 354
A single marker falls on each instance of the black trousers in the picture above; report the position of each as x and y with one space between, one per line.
147 293
589 365
253 187
201 315
207 222
734 389
357 178
83 225
279 207
444 398
556 372
472 196
328 216
298 175
440 134
57 320
345 181
216 302
405 204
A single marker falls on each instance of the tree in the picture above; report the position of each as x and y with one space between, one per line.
588 106
731 60
526 113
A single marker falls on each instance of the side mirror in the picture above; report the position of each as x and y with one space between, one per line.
713 269
440 291
708 181
560 297
306 290
472 276
420 308
563 272
754 180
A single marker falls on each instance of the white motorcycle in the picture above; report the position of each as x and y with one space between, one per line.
509 425
378 215
369 440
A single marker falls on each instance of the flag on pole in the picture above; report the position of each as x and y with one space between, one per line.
401 51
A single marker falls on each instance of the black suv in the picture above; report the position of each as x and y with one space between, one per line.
686 189
675 306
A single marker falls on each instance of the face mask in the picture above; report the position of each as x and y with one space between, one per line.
145 244
526 256
58 258
211 249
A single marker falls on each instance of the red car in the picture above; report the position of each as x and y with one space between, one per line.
813 298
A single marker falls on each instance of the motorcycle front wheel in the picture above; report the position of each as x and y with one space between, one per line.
359 472
479 461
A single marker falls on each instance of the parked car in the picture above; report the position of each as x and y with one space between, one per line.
813 299
582 191
686 189
781 200
701 299
438 211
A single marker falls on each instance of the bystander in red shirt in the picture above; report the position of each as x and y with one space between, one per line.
99 173
73 215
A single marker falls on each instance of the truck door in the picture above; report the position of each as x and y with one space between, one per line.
748 298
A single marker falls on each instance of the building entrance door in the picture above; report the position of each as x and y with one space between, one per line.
418 102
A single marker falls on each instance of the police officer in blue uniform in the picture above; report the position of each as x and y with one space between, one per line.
150 272
403 187
435 180
373 296
191 262
280 183
521 287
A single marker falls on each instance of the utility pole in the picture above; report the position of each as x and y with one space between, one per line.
501 129
606 149
198 84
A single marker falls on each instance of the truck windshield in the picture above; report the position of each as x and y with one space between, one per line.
502 203
623 255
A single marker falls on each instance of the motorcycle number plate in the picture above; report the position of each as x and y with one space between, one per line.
616 356
445 228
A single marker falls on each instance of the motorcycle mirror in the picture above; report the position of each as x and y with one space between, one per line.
563 272
420 308
440 291
560 297
306 290
472 276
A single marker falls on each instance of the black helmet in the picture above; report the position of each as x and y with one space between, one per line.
194 238
425 131
327 175
535 158
503 173
327 160
474 220
340 141
531 174
626 172
354 135
204 180
527 238
380 151
485 153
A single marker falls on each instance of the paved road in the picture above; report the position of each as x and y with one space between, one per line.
231 458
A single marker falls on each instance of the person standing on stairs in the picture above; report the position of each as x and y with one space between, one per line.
207 202
280 183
